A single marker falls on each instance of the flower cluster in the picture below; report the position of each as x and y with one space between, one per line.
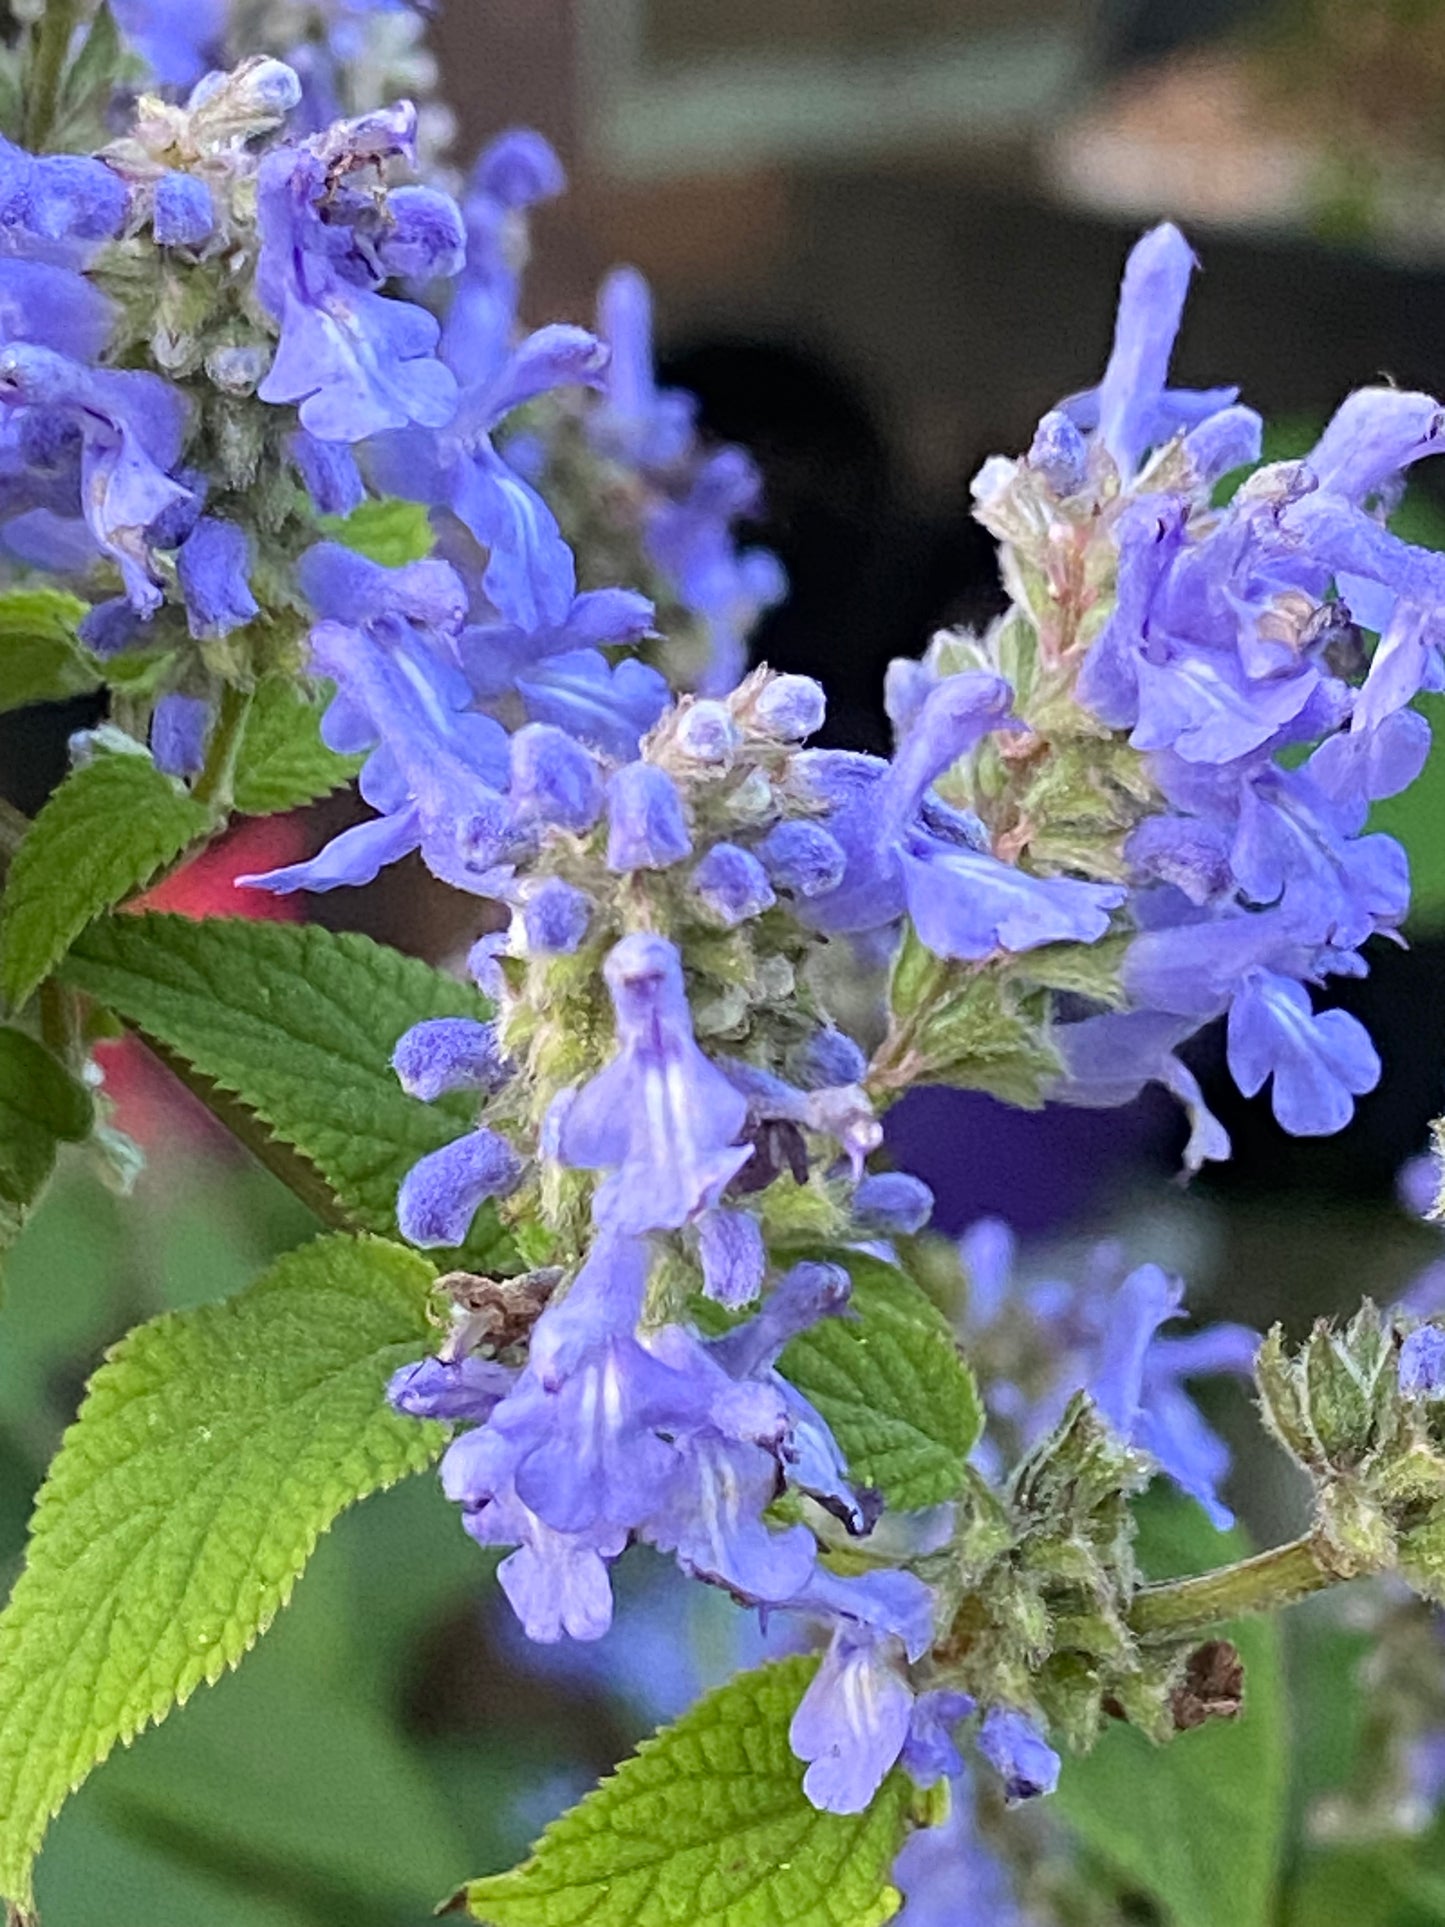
1137 803
1224 643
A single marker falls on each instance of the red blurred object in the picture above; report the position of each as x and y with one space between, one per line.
147 1103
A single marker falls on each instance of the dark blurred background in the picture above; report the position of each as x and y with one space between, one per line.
883 235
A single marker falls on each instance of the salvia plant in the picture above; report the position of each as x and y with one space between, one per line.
605 1240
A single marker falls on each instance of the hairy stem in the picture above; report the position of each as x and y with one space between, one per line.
216 781
1259 1585
51 46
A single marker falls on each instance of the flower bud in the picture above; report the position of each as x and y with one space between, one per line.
647 828
449 1054
803 858
555 917
183 215
706 733
554 779
732 884
790 707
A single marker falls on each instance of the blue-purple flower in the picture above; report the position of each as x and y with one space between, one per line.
901 855
661 1119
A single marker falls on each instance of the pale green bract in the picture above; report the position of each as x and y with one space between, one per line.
708 1824
213 1447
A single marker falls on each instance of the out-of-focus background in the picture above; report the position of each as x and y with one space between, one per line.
883 236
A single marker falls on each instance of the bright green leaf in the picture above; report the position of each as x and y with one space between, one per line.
893 1386
1197 1825
1372 1886
40 660
213 1447
298 1025
105 832
41 1106
298 1766
708 1824
91 76
388 531
283 761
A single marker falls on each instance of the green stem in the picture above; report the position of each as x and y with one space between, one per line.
1258 1585
51 47
216 782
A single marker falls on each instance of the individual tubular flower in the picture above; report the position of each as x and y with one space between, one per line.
129 425
800 1298
1018 1753
732 1255
530 577
854 1720
726 588
732 884
438 771
355 360
636 421
58 208
1101 1335
179 728
893 1202
693 500
1320 1062
555 782
964 902
183 214
213 569
555 917
661 1118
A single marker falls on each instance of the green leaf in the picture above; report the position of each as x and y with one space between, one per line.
385 530
300 1769
893 1386
1199 1824
296 1024
40 659
213 1447
90 77
708 1824
41 1107
283 761
1373 1886
105 832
